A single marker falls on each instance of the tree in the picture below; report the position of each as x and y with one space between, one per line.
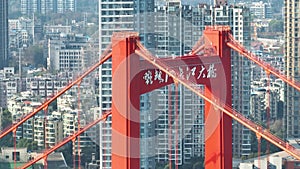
280 108
86 155
31 146
167 166
198 165
6 118
276 26
67 152
22 143
34 146
53 106
277 128
6 141
34 55
160 165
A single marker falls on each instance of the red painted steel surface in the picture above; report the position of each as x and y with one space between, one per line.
218 142
187 64
128 83
125 102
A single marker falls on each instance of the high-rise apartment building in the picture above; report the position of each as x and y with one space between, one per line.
28 7
292 65
178 27
180 135
3 33
239 21
115 16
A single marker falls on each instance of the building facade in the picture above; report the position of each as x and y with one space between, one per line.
239 21
292 64
29 7
260 100
3 33
261 10
113 17
178 28
130 15
66 52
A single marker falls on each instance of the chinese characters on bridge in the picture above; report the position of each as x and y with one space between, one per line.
198 72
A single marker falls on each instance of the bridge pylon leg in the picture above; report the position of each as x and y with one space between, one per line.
218 126
125 102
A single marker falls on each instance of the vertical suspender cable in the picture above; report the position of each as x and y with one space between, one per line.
78 123
176 126
45 133
15 147
74 154
268 113
170 125
45 163
258 149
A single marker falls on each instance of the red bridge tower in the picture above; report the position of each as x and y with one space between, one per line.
128 85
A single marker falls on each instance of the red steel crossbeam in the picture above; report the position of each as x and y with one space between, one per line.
70 138
258 129
45 104
267 67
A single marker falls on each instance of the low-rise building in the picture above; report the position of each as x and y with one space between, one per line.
260 100
66 52
47 131
7 154
261 9
279 160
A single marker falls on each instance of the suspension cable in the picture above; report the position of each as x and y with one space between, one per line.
66 140
233 44
28 116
